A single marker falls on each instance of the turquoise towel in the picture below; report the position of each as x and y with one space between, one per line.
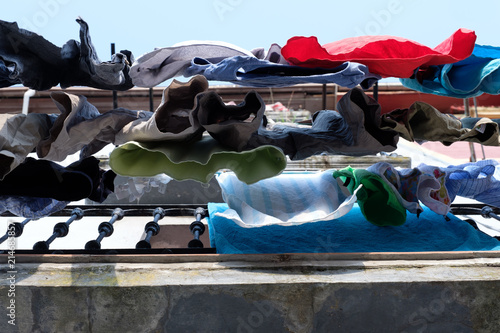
350 233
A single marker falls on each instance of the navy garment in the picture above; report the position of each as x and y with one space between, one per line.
354 130
40 65
473 76
36 62
5 76
254 72
329 133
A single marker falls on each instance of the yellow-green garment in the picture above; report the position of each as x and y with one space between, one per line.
376 199
198 161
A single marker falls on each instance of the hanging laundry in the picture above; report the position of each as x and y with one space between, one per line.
41 65
423 122
476 180
19 135
376 199
405 188
287 199
353 130
349 233
473 76
81 127
198 161
30 207
253 72
165 63
46 179
231 125
172 120
388 56
86 69
134 188
6 72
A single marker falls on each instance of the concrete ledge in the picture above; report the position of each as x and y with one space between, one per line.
265 293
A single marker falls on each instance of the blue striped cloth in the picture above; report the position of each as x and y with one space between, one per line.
289 198
349 233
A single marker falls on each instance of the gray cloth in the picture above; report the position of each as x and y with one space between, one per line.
80 126
19 135
231 125
172 120
165 63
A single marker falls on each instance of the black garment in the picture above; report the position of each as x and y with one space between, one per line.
41 65
46 179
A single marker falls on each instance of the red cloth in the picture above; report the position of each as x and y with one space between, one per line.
384 55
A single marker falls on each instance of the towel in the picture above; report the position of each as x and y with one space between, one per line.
350 233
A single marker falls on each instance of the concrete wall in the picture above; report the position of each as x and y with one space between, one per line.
262 294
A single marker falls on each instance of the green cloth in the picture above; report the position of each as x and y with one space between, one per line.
376 199
198 161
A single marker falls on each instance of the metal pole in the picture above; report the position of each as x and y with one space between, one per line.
115 97
471 145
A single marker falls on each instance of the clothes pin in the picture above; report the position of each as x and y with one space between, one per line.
105 230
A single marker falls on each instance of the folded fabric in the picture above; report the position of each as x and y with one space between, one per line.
165 63
384 55
349 233
80 126
30 207
172 120
19 135
287 199
198 161
377 200
41 65
253 72
470 77
353 130
230 125
46 179
423 122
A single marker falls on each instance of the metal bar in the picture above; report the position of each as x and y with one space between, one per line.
105 229
197 228
324 96
60 230
471 145
476 115
115 97
151 229
18 230
151 104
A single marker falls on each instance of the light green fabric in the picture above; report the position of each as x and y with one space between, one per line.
376 199
198 161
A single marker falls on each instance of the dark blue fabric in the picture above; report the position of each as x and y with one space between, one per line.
470 77
254 72
350 233
5 80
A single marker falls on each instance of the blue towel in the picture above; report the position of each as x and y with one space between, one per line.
470 77
350 233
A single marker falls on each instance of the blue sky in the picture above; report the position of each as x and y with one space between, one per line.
140 26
